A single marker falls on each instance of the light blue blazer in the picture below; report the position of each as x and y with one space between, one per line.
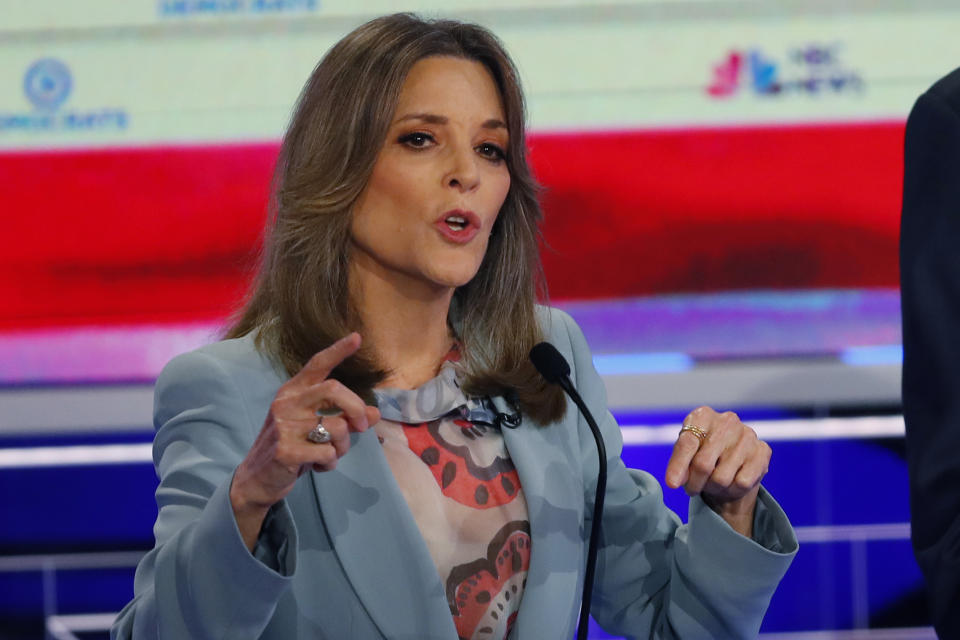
342 558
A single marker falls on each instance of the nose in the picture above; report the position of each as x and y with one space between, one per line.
462 173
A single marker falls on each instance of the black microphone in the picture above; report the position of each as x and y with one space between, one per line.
556 370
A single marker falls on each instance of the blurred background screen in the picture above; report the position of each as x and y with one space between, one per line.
722 183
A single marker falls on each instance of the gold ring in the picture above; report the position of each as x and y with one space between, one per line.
697 431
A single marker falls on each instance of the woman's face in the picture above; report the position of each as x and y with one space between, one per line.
439 180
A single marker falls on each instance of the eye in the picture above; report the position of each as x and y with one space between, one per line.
416 140
491 151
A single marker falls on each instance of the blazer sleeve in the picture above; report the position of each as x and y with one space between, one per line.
200 581
658 578
930 290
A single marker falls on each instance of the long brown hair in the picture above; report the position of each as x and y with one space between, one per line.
299 303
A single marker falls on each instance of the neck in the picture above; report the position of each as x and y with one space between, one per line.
404 322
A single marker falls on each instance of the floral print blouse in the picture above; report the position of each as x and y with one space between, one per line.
447 453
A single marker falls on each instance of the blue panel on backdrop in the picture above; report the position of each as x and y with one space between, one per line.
77 507
894 584
94 590
817 482
21 595
630 417
816 593
822 482
73 591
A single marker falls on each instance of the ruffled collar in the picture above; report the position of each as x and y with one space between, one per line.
442 396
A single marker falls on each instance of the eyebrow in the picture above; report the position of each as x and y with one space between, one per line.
432 118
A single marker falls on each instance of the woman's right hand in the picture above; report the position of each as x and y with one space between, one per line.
282 453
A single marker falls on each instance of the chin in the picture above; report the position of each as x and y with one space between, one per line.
454 283
456 278
454 271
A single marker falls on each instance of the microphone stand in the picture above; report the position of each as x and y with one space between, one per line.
584 623
554 368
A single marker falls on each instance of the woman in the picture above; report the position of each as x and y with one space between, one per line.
445 488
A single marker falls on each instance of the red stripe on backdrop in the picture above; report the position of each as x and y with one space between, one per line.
705 210
169 234
130 235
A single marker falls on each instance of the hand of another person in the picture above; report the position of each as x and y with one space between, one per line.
282 453
725 465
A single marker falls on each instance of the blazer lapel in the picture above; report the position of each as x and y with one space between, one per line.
379 545
553 488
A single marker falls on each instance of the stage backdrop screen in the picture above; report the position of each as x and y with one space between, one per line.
682 146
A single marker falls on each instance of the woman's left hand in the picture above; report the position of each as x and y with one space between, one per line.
725 466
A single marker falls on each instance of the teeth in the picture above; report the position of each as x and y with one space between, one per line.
456 223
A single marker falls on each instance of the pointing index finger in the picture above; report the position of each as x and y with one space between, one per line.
323 362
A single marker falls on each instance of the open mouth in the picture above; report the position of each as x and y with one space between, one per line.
456 223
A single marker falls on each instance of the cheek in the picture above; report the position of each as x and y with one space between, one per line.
498 195
387 190
402 185
385 205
